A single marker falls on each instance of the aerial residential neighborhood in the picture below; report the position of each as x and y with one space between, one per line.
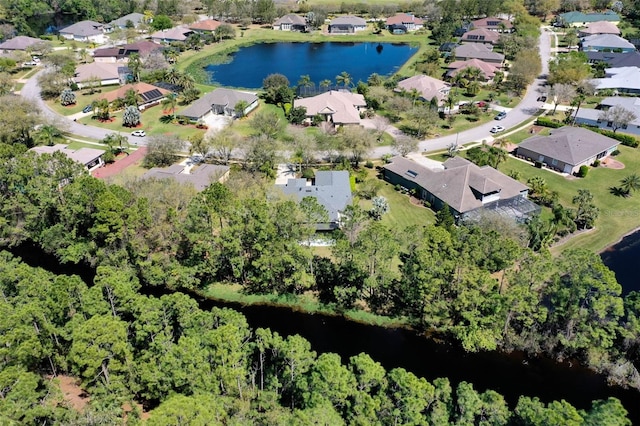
299 212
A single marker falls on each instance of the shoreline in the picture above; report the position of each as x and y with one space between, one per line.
619 240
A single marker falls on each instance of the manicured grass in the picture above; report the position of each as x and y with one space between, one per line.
78 145
618 215
83 98
521 135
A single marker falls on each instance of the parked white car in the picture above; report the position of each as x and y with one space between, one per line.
497 129
139 133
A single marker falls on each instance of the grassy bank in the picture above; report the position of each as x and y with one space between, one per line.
306 303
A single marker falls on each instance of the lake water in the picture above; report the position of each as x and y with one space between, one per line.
621 258
321 61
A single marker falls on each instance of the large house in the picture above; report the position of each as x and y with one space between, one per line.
428 87
488 71
291 22
620 80
484 52
591 116
481 35
567 148
206 26
148 94
347 25
103 73
606 43
220 102
332 189
200 176
599 27
402 23
132 20
143 48
615 59
172 34
492 23
580 19
335 106
19 43
86 31
462 186
89 157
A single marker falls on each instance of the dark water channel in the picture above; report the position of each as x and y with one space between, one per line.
622 258
511 375
320 61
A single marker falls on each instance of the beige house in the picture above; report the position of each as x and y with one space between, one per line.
220 101
103 72
567 148
484 52
206 26
172 34
290 22
86 31
599 27
492 23
481 35
488 70
428 87
335 106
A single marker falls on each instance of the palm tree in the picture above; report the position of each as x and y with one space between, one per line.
305 81
344 78
630 183
374 80
171 101
325 83
186 81
450 101
135 64
47 133
131 97
502 143
172 75
171 55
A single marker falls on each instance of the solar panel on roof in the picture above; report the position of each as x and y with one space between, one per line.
151 95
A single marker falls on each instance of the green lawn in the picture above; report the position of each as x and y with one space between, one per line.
82 100
618 215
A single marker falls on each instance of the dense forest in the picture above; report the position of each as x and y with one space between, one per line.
478 284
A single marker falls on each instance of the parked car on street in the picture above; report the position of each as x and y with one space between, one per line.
501 115
497 129
139 133
87 109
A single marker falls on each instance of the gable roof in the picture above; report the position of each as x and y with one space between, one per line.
481 35
292 19
477 51
175 33
579 17
427 86
460 183
491 22
20 43
136 18
332 189
84 29
100 70
148 92
606 40
571 145
356 21
219 96
619 78
600 27
489 70
200 177
404 18
341 105
616 59
205 25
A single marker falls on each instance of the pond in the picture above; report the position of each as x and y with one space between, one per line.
321 61
621 258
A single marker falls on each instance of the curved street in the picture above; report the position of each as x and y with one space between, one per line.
524 111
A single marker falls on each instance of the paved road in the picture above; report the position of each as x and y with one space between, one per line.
31 90
522 112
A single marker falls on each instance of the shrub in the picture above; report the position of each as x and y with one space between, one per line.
616 152
398 188
582 172
308 174
108 157
547 122
626 140
67 97
361 176
369 164
596 163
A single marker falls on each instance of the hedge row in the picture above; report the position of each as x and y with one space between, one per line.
547 122
626 140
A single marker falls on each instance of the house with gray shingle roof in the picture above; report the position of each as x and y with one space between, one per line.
134 18
19 43
462 186
567 148
606 42
591 116
480 35
89 157
615 59
339 107
220 102
484 52
347 25
332 189
86 31
199 176
621 80
291 22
